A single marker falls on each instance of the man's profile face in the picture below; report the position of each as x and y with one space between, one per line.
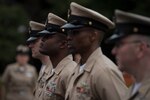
50 44
22 59
79 39
35 46
125 52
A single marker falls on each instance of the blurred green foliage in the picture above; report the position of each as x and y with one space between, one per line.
12 22
15 14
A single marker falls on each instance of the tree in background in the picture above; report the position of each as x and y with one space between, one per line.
13 21
15 14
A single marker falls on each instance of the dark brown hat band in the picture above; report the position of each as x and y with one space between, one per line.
34 33
78 20
53 28
132 28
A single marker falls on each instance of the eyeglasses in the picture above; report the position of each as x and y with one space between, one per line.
119 44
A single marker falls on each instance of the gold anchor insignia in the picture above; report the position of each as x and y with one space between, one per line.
90 23
63 30
51 88
135 29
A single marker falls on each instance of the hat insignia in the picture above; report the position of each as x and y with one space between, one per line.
135 29
90 23
63 30
51 88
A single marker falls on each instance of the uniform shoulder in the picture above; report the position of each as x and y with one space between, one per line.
104 63
71 65
106 70
11 66
69 68
104 66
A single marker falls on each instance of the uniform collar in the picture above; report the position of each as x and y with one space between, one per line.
62 64
92 58
48 67
143 90
18 65
145 87
47 70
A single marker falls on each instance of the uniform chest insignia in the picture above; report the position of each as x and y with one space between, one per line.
83 91
51 88
83 88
